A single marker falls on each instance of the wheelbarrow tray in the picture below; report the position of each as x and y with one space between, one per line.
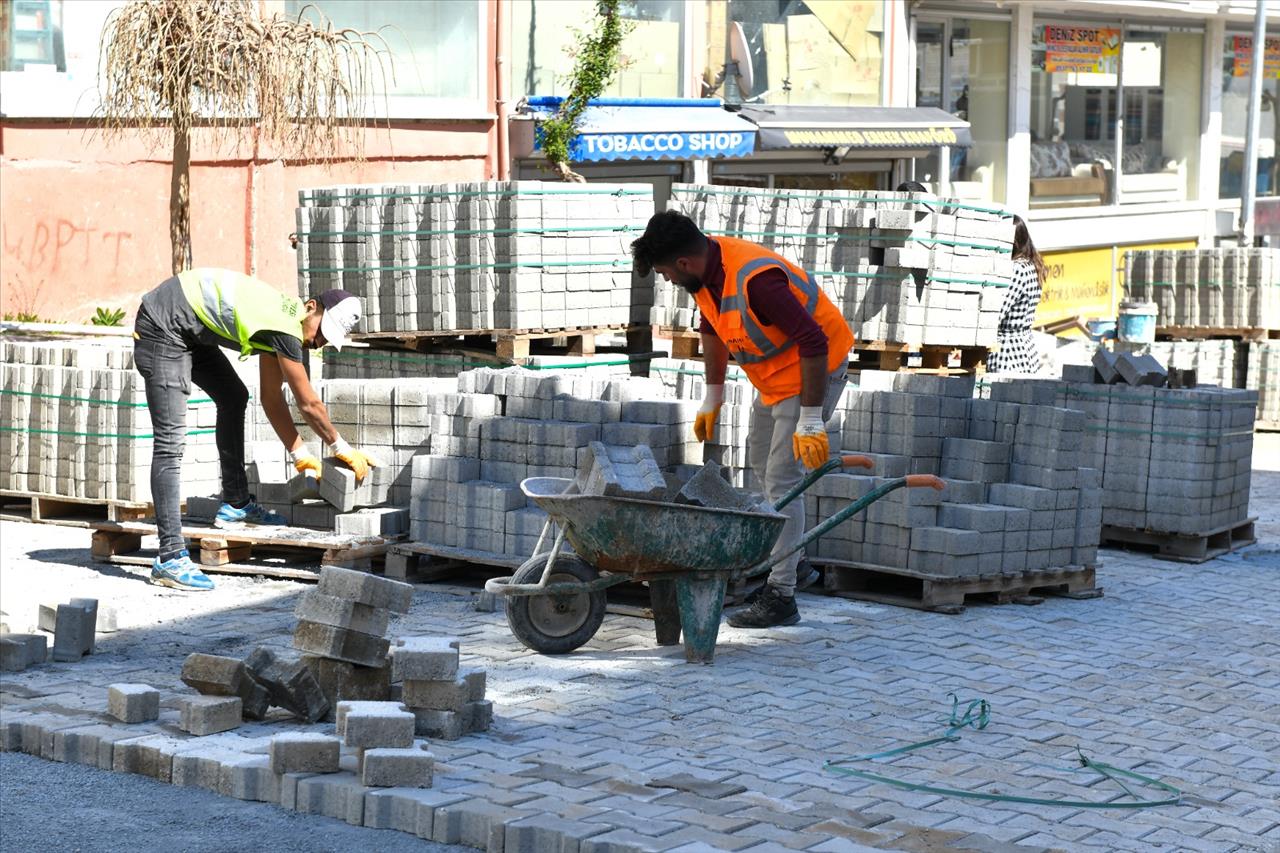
649 538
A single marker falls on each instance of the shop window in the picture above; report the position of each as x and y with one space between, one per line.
1237 60
825 53
435 46
1076 104
544 33
962 66
49 55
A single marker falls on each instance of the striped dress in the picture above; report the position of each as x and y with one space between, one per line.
1017 353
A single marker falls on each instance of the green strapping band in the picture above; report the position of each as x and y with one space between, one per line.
494 266
977 715
96 400
314 196
826 194
593 229
128 435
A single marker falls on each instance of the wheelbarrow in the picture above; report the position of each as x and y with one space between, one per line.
555 601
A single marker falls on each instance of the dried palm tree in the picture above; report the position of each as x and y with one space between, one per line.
168 66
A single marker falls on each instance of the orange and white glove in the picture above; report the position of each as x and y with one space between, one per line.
305 462
704 423
809 444
357 460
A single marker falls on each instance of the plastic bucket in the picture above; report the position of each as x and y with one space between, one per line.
1101 330
1137 323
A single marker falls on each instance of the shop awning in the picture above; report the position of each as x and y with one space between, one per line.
858 128
652 129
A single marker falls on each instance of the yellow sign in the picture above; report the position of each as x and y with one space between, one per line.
1088 283
1242 57
1093 50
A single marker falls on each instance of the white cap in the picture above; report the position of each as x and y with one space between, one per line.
341 314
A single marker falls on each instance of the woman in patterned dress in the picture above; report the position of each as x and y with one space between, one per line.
1017 353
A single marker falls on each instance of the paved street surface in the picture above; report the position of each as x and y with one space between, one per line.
1173 674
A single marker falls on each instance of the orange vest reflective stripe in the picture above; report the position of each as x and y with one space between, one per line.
765 353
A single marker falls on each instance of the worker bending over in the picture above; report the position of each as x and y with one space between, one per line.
792 343
180 327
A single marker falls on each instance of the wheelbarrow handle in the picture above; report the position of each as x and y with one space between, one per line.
849 460
911 481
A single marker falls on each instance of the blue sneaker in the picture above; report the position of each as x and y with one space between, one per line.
251 513
180 573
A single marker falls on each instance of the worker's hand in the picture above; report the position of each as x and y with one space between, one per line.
809 444
357 460
305 461
704 423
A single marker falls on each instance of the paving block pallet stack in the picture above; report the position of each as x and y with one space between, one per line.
903 267
1217 288
1173 461
1018 499
476 256
74 422
1263 376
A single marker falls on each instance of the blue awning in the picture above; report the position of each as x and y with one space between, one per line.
652 129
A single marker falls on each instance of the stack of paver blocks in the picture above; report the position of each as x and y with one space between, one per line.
74 422
1263 376
341 632
1213 361
1221 288
903 267
446 702
475 256
1172 460
1017 499
383 735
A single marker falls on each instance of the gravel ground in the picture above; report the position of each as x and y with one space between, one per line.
49 806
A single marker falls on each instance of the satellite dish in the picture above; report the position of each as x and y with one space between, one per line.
740 56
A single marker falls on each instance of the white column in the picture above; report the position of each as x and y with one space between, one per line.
1017 187
1211 119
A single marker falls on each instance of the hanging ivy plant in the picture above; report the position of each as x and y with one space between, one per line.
597 61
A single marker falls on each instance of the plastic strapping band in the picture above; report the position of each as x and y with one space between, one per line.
977 715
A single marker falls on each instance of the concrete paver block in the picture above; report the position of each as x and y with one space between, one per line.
19 651
625 472
449 695
218 675
424 659
709 488
340 680
374 724
250 777
387 767
444 725
206 715
339 643
304 752
289 681
316 606
133 703
75 625
364 588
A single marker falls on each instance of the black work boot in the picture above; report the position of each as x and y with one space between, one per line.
806 576
772 608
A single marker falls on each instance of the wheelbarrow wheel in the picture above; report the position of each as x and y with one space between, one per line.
555 624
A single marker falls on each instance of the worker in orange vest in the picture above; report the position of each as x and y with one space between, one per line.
790 340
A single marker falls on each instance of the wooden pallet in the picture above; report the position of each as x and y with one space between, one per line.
509 344
284 552
67 511
1183 547
941 594
1200 333
875 355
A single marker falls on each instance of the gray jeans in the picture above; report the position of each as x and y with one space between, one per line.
168 372
770 455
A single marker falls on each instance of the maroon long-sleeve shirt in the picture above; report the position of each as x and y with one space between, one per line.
770 297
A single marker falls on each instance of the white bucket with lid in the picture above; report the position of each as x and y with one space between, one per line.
1137 322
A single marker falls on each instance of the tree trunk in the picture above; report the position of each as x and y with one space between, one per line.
180 202
568 175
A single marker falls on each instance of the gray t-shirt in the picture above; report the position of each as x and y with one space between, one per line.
166 315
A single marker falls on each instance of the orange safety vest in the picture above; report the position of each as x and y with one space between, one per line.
768 357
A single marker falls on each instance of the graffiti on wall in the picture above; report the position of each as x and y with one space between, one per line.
39 253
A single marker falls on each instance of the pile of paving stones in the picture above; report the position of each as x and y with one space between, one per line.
903 267
1264 377
76 424
1220 288
476 256
446 702
74 625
